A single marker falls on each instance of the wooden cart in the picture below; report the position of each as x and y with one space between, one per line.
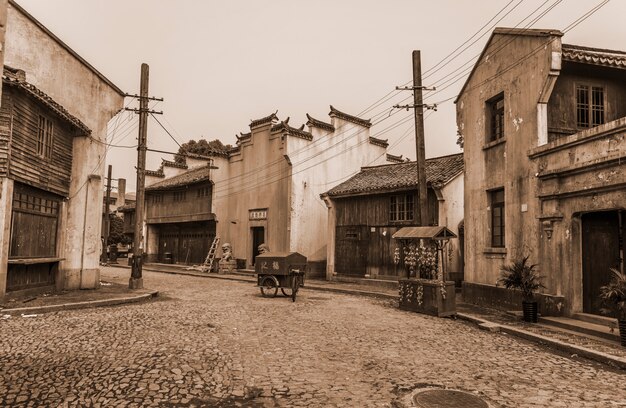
284 270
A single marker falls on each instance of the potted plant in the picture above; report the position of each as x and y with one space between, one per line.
613 297
521 275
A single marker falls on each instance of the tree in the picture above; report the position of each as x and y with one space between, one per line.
201 147
116 231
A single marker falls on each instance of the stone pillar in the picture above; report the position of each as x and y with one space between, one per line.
330 245
6 205
121 193
152 243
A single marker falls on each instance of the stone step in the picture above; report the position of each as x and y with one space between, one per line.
582 326
380 283
596 319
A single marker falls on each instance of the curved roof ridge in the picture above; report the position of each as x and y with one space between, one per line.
350 118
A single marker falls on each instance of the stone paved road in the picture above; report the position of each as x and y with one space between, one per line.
210 343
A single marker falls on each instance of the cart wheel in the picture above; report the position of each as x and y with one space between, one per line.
269 286
286 291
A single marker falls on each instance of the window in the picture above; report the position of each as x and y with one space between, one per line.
495 118
589 106
180 195
401 208
44 137
203 192
156 198
497 218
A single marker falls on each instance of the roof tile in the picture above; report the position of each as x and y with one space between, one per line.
400 176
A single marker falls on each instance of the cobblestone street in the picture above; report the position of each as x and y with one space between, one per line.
208 342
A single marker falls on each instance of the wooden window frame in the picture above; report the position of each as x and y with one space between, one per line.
45 137
180 196
401 208
495 118
498 225
591 111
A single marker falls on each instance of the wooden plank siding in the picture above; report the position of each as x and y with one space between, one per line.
5 133
363 243
169 206
25 164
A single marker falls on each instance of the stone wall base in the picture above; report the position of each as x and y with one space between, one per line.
505 299
316 269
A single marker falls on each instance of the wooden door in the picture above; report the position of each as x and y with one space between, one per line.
601 251
258 238
351 250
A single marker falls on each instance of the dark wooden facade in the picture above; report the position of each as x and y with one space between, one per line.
363 231
181 217
20 160
562 120
36 153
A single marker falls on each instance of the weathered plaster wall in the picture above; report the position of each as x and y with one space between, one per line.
69 81
582 173
257 178
451 213
317 167
519 70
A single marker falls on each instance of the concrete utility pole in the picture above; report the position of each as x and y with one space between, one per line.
418 108
107 219
136 277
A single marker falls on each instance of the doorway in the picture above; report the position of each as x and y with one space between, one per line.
602 249
258 238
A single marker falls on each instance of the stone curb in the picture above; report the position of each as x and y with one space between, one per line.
79 305
598 356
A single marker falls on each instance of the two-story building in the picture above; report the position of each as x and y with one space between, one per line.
54 115
544 127
368 208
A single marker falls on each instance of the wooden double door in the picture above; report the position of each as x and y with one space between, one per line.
602 249
187 242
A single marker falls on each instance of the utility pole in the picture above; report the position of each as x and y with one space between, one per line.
418 108
107 219
136 277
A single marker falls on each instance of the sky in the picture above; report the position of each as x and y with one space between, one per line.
220 64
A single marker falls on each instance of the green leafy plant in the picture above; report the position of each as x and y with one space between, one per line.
521 275
613 295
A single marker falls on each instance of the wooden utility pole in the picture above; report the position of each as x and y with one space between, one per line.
136 277
418 109
107 219
422 192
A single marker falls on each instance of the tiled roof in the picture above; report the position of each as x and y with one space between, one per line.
394 159
379 142
335 113
184 179
12 77
291 131
312 122
596 56
155 173
127 207
268 119
401 176
170 163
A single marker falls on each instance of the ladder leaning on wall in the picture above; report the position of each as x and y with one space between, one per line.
210 257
